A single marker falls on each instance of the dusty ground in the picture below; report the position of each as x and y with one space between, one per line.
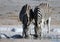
9 11
23 40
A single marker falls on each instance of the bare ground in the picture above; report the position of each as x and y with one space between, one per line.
23 40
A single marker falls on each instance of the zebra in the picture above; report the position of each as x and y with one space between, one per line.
26 15
37 18
45 24
40 20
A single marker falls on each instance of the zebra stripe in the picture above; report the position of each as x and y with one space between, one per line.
39 13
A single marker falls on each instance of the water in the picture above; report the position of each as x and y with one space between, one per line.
55 40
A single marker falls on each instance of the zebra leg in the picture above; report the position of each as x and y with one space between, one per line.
49 24
25 30
36 29
36 35
23 33
42 27
39 33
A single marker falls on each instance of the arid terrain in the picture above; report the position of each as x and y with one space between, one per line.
10 9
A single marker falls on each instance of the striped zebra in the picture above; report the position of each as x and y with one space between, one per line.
38 17
40 20
26 16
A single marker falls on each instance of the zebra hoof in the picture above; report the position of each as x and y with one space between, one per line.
26 37
35 36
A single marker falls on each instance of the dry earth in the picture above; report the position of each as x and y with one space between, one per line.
9 11
23 40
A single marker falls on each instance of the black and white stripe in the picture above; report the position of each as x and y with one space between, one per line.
38 17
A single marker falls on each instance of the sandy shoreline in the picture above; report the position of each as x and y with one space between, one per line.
23 40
